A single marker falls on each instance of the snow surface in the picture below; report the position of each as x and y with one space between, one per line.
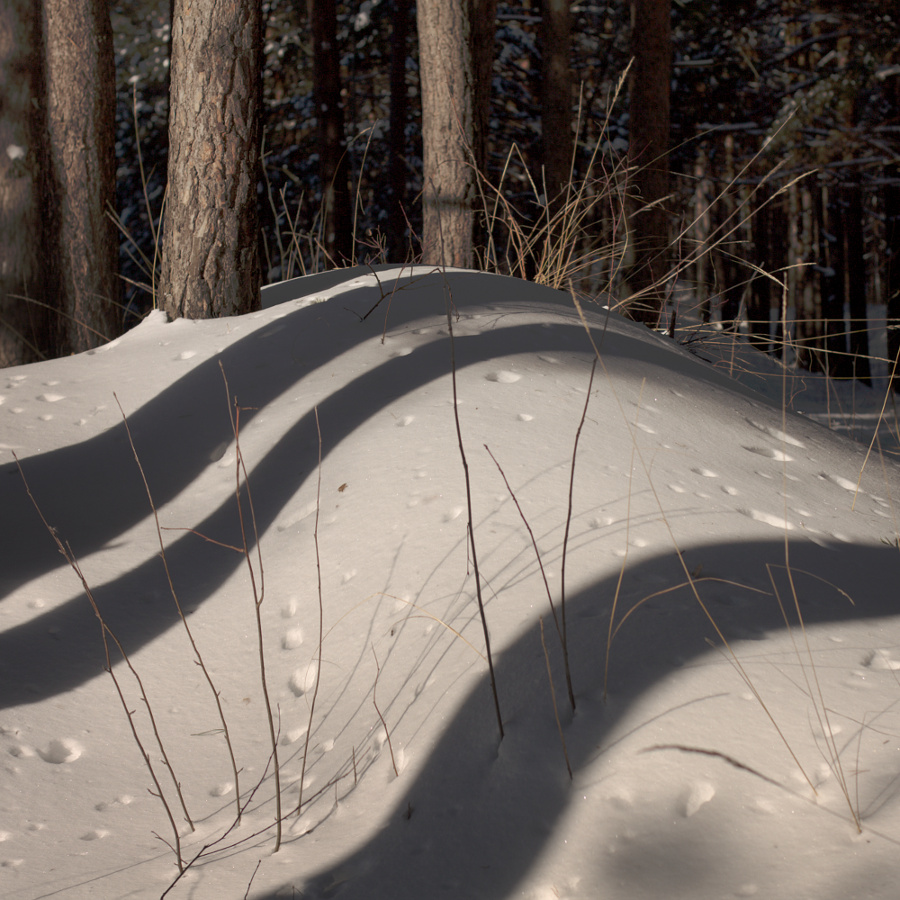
674 457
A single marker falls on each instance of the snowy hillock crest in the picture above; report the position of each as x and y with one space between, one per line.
697 505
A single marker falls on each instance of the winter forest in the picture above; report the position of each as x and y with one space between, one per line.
448 448
745 151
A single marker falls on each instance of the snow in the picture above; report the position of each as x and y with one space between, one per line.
715 752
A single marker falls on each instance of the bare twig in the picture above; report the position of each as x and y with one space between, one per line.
471 528
108 634
553 698
197 655
258 591
312 705
380 716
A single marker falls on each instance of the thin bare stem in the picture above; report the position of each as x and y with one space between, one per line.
315 694
540 562
380 716
197 655
562 737
471 527
107 633
258 591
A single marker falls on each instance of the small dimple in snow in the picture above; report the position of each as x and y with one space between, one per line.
454 513
221 789
400 351
732 492
697 795
678 488
95 834
646 428
403 421
52 398
187 354
774 521
840 481
525 417
303 680
776 433
64 750
292 638
881 660
549 359
705 473
770 453
503 376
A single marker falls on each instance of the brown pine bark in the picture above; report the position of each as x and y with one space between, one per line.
210 258
455 54
334 169
397 247
81 104
651 70
556 99
25 333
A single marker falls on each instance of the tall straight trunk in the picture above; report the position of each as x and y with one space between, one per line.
25 327
334 169
210 256
892 273
832 280
556 99
759 301
81 104
856 283
397 245
455 56
648 140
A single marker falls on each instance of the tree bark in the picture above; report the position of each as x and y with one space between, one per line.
556 100
892 273
210 256
856 283
396 237
25 328
455 55
81 103
334 169
651 71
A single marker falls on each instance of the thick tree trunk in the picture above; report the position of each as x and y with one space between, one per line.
455 55
334 168
651 72
81 104
25 328
396 237
210 257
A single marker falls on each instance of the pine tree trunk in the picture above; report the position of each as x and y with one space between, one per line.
210 257
334 168
25 328
397 244
856 283
892 275
648 148
759 302
455 56
556 97
81 104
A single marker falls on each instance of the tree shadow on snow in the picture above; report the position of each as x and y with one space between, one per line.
477 817
91 492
